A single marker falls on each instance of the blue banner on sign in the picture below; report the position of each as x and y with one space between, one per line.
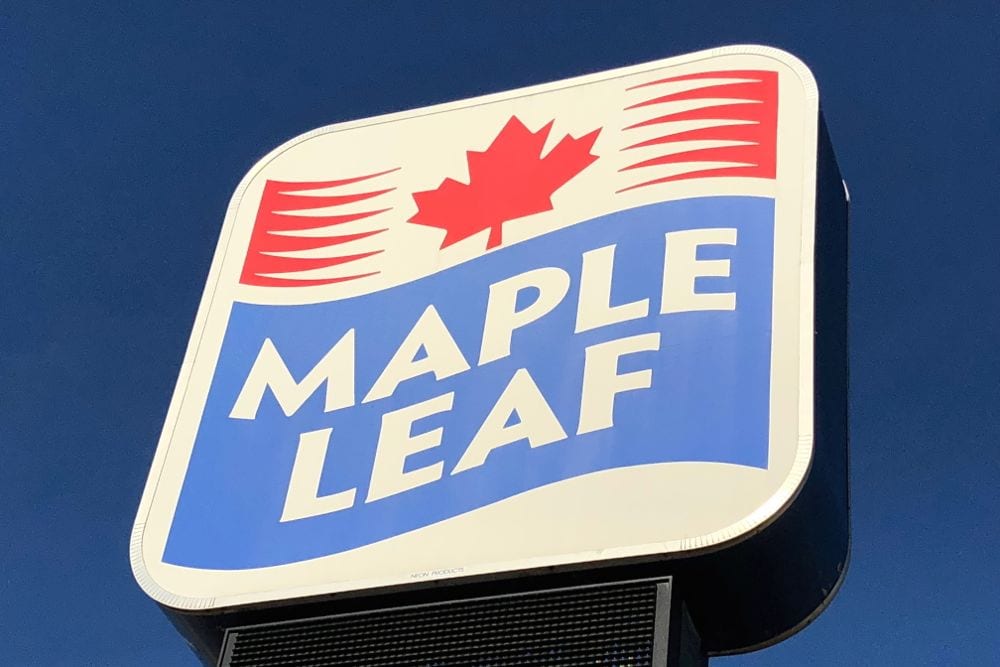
707 399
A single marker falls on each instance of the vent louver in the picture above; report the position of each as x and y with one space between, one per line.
612 625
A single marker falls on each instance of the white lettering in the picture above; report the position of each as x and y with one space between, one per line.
594 307
336 369
681 267
396 442
303 499
443 356
502 316
601 381
536 422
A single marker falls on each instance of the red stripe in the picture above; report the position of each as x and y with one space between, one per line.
722 74
756 91
286 186
703 173
278 201
723 112
289 282
754 133
274 222
748 154
265 264
288 243
760 133
275 202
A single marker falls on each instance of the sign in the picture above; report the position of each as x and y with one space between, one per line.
554 326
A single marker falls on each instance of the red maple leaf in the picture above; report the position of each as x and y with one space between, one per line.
508 180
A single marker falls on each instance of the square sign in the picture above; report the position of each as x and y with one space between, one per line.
555 326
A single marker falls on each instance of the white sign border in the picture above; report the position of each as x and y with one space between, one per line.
749 525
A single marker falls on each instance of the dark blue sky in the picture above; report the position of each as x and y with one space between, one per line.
124 130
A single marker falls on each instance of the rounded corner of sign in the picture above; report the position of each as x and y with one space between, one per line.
250 174
146 579
166 598
791 61
774 508
794 482
262 162
796 479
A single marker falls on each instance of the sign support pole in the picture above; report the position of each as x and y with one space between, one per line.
676 643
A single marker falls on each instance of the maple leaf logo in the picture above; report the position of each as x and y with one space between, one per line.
508 180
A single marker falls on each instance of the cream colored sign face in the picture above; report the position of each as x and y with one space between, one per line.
557 325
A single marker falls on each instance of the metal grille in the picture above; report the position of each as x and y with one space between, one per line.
611 625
